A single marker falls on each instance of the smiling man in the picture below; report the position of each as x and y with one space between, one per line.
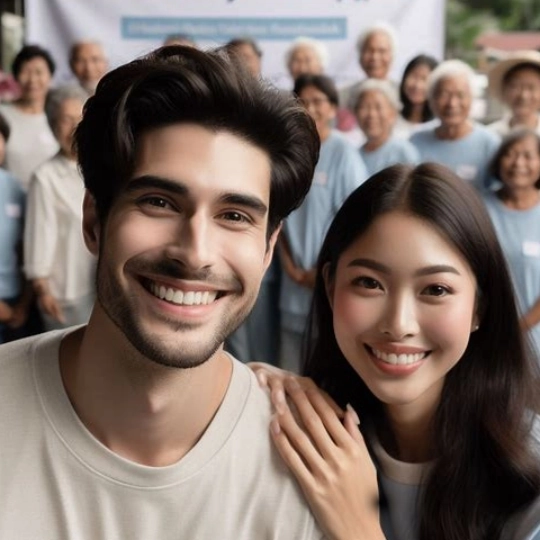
139 425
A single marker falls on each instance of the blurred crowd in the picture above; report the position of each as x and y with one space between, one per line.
47 275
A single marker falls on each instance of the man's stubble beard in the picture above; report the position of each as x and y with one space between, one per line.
151 345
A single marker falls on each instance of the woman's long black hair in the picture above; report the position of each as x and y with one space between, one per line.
486 469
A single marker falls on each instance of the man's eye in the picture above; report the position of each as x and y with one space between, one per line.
237 217
158 202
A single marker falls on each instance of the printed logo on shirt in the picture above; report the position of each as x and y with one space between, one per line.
13 210
530 248
467 172
320 178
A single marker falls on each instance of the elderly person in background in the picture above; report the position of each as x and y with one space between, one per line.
248 53
306 56
377 108
179 39
376 46
55 257
88 63
516 82
339 171
458 142
31 141
515 212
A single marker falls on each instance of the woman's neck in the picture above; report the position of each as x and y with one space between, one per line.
454 132
375 143
528 121
416 113
519 199
324 133
33 106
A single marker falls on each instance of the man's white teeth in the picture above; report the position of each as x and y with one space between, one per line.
398 359
189 298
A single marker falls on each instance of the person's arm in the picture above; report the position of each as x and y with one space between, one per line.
305 278
46 301
325 451
530 319
22 307
6 312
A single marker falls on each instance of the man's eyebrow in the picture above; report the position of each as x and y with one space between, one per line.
157 182
425 271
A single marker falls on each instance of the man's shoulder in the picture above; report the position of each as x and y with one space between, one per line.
16 360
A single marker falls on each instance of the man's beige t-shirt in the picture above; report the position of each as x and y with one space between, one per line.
58 482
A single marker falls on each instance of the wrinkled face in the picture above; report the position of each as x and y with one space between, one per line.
452 100
34 79
415 84
376 55
376 115
520 164
522 92
403 303
249 58
319 107
89 65
304 61
184 248
69 116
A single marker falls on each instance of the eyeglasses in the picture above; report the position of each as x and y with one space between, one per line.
316 102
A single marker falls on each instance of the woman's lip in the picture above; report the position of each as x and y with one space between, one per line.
396 370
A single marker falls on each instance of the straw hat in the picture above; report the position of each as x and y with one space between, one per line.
499 71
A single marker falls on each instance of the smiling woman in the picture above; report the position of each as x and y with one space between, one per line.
414 326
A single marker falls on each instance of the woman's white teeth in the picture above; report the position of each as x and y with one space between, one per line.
189 298
398 359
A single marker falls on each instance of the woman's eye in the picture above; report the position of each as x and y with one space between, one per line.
367 282
437 290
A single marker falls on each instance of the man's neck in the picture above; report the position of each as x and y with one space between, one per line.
144 412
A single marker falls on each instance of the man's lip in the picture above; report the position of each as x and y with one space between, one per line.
181 284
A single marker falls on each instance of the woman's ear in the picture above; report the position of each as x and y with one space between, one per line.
328 284
91 225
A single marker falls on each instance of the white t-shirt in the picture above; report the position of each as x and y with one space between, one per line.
53 240
58 482
31 142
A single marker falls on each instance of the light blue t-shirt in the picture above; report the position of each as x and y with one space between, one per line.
12 200
339 171
468 157
393 151
519 235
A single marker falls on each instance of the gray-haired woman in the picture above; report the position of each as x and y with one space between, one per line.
55 258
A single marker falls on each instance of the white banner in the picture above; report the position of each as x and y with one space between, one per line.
129 28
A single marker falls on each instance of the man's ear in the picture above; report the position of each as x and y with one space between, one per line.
90 224
329 284
270 246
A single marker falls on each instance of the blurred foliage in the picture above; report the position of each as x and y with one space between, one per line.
467 19
464 23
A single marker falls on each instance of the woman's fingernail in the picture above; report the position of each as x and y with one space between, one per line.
274 426
353 413
263 381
